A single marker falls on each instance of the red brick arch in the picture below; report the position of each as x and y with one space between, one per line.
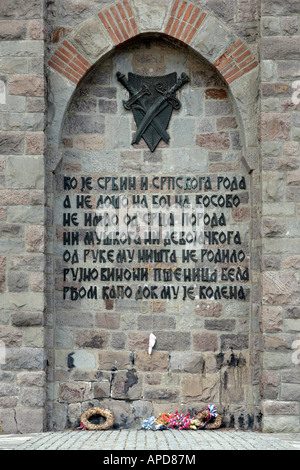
182 23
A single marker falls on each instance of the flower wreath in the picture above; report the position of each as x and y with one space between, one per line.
87 425
208 418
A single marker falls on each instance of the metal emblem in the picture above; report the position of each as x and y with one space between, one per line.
152 100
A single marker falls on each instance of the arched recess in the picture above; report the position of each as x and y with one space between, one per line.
184 22
186 26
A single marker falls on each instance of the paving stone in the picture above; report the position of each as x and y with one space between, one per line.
174 440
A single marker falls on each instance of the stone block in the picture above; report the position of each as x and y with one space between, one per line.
114 360
25 358
119 135
213 39
83 360
288 70
37 379
279 48
173 341
101 390
204 388
79 124
150 14
209 309
218 108
33 337
11 245
13 30
118 341
271 319
99 161
247 11
280 408
37 29
25 214
191 363
292 325
23 122
27 85
275 126
92 339
110 321
219 324
275 246
8 421
273 227
32 397
74 392
205 342
214 141
12 337
192 101
84 105
25 172
276 7
127 385
164 322
35 143
27 318
17 9
273 186
11 143
280 288
75 319
276 360
35 238
90 40
280 424
122 411
22 49
17 282
234 342
11 230
161 394
157 361
291 262
89 142
183 132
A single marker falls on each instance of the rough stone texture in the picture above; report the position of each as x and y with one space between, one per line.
280 289
113 338
241 355
22 144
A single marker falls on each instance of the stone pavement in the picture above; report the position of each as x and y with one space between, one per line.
171 440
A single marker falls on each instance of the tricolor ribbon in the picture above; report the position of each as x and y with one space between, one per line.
212 410
212 413
82 427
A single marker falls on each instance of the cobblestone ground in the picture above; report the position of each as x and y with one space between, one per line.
148 440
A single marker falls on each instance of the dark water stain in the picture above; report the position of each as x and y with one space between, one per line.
131 380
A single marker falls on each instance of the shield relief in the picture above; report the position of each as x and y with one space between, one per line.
152 100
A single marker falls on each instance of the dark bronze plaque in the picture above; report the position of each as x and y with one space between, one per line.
152 100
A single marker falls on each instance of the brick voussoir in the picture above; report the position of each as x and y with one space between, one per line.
235 62
184 21
69 62
119 22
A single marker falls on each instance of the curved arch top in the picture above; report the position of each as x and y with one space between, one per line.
183 21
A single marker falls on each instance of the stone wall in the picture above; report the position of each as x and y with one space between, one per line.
55 45
22 216
101 344
280 288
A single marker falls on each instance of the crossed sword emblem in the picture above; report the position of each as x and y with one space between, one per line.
151 115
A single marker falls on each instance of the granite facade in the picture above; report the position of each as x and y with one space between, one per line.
62 116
